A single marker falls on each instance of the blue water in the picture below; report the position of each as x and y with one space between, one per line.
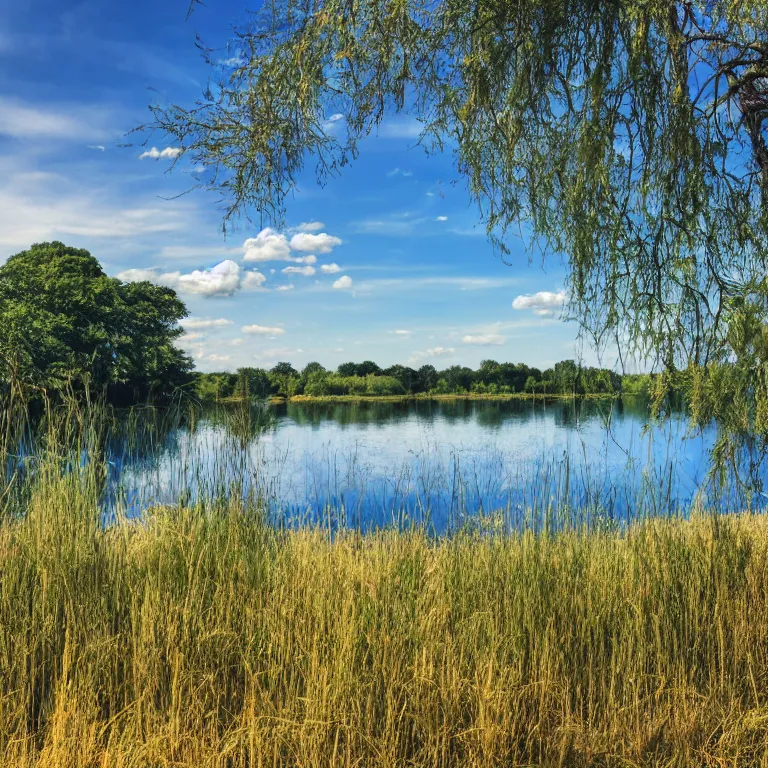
369 465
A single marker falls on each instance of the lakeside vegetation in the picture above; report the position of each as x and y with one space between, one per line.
367 379
201 636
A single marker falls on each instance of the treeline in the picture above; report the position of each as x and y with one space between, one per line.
367 379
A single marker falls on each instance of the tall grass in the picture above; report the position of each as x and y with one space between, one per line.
199 635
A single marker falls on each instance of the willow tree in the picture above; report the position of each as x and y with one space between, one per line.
627 136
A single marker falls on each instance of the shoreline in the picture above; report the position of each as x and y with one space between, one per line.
427 397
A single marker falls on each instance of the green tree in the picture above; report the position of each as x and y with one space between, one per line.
252 382
427 378
311 368
62 319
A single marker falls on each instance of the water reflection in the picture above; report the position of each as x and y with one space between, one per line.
369 464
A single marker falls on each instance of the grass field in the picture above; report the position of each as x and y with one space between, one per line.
201 637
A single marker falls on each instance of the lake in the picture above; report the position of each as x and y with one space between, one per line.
440 463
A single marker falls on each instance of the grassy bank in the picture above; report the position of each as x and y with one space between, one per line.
200 637
441 398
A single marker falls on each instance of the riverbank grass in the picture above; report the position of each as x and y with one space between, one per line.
201 637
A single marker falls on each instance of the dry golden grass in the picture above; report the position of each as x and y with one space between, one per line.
200 637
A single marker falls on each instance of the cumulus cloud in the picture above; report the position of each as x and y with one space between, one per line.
263 330
441 218
221 280
252 280
543 303
322 243
268 245
224 279
330 269
205 322
483 340
343 283
432 353
218 358
402 333
288 287
169 153
306 271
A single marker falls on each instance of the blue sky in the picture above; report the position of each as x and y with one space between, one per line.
387 262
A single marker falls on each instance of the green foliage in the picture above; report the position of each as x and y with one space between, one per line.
215 386
642 125
492 378
630 137
64 322
252 382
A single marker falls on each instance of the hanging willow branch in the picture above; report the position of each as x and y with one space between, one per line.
627 135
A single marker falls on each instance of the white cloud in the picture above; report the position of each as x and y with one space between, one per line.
322 243
252 280
311 259
99 147
331 122
543 303
441 218
224 279
187 337
432 353
402 333
205 322
288 287
218 358
235 343
484 340
74 122
138 276
38 207
306 271
169 153
310 226
330 269
343 283
263 330
221 280
268 245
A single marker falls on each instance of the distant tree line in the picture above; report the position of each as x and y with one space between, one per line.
369 379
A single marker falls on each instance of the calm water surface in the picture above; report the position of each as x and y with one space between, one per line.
375 464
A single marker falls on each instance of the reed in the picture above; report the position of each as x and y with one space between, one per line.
200 636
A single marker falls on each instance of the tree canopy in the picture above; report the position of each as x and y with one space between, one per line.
64 322
628 135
